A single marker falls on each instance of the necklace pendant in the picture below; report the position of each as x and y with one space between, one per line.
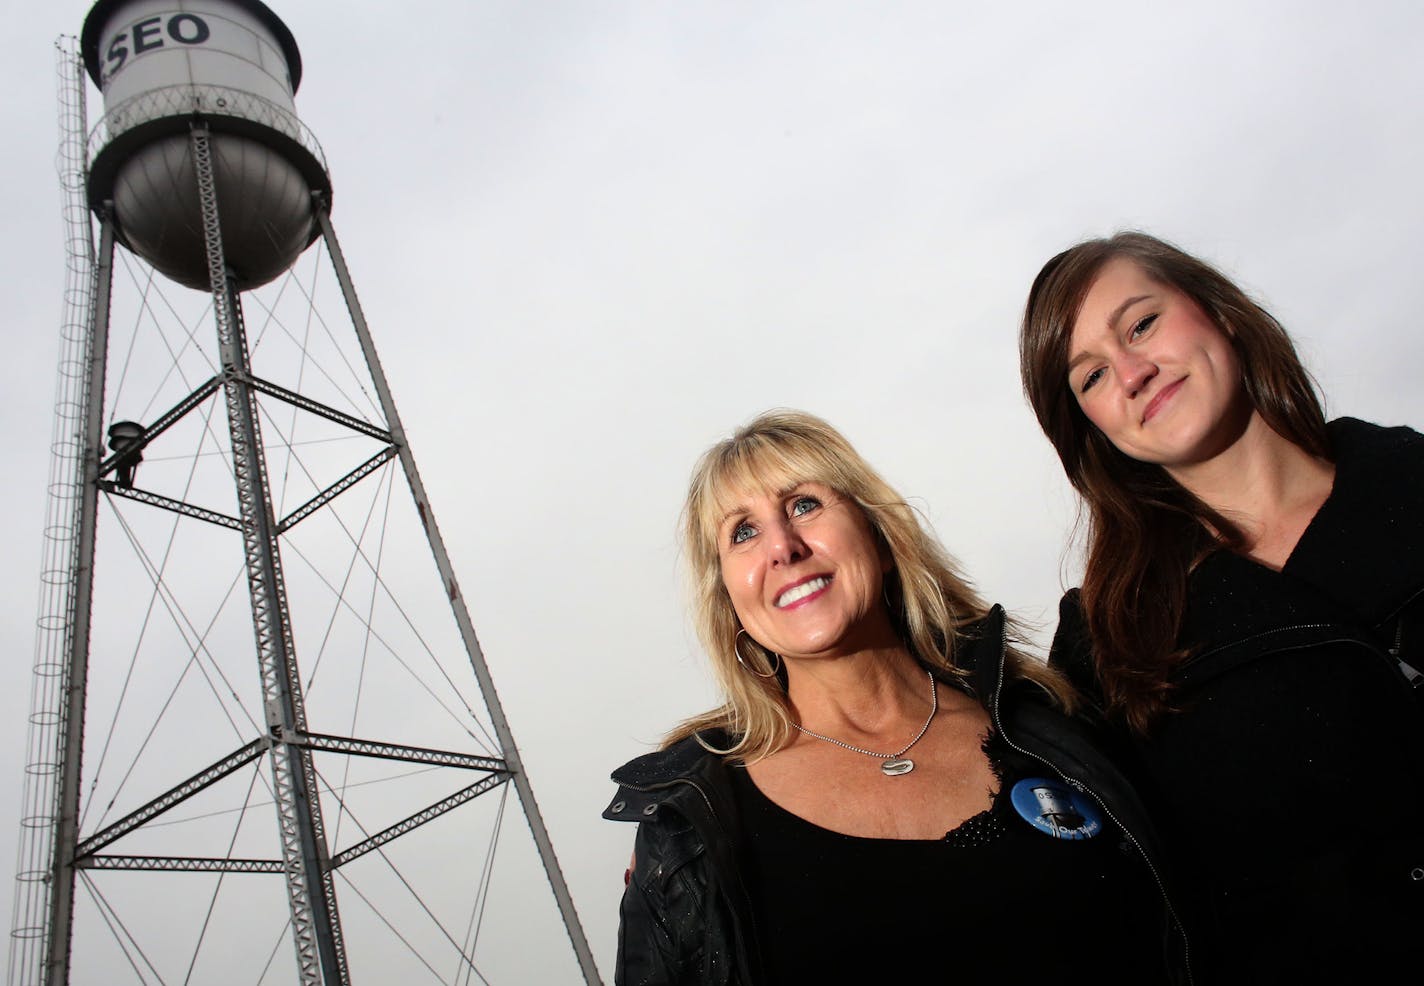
896 766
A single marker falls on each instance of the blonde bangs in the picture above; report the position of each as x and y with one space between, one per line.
733 471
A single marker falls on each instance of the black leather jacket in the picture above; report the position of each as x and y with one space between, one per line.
685 916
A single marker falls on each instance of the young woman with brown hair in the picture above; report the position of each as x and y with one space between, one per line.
1252 609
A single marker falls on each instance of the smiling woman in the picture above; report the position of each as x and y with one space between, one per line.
770 848
1252 610
824 608
1154 373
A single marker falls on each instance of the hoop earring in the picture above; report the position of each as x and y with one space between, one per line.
746 664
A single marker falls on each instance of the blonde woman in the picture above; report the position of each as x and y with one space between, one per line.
886 773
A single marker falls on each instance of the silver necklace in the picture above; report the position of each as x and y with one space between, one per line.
893 764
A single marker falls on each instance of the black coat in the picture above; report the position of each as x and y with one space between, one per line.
685 916
1289 785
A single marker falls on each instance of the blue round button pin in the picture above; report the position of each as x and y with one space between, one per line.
1055 809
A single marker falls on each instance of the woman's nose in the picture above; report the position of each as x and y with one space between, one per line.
1134 371
785 546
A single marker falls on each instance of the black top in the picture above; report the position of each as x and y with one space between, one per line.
1289 785
1049 893
686 917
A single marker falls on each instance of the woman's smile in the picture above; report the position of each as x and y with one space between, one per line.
802 592
1133 335
804 570
1162 396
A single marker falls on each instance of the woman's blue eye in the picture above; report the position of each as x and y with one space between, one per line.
1142 325
804 505
1090 379
741 532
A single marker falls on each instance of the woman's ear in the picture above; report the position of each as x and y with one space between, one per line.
882 548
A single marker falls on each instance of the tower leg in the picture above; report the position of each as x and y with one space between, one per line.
76 673
457 604
316 928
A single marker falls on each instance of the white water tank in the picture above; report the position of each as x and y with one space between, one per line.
166 65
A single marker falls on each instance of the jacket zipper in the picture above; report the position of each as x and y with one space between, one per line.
1256 636
1083 788
1412 674
1407 671
712 813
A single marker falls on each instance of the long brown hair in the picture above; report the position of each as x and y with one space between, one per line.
929 600
1145 531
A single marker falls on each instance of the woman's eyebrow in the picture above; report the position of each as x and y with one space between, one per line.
1113 317
779 493
730 514
1116 313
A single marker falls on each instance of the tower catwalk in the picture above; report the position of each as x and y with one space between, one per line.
361 734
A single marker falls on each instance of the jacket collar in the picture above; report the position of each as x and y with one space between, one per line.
687 759
980 651
1365 546
1359 560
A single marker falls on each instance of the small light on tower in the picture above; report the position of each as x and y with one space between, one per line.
125 438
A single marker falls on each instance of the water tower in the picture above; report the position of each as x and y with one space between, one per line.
201 172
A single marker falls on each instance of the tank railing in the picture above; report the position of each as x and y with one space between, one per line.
201 100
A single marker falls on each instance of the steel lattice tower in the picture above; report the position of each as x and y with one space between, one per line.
201 169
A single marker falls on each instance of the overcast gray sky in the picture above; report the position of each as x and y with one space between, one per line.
591 238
